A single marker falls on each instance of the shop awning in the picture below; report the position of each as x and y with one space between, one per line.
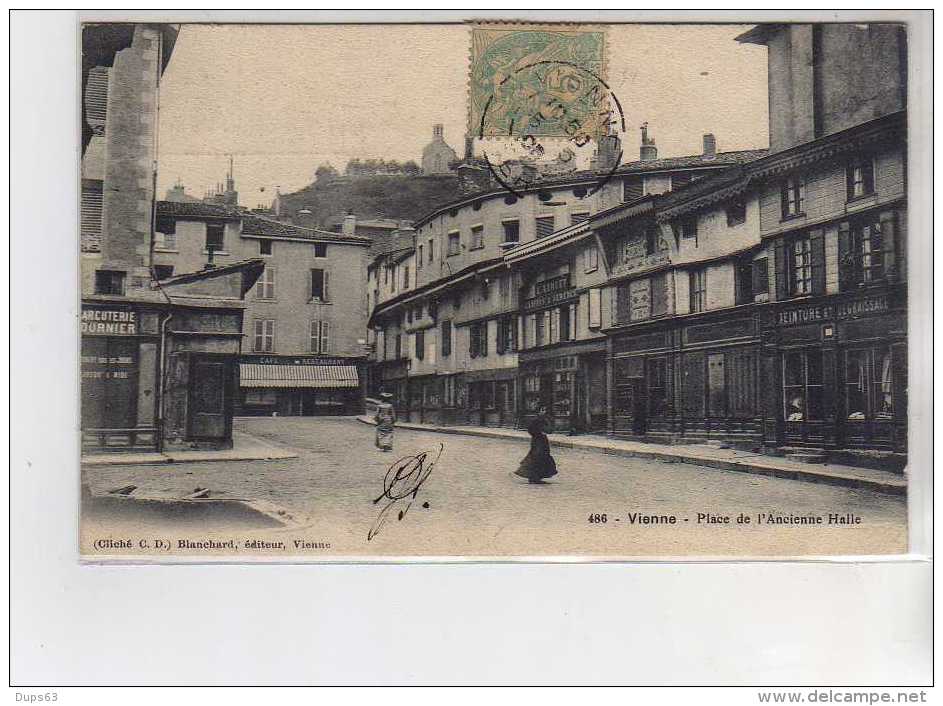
322 376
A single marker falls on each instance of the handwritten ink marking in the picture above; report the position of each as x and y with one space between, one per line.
401 483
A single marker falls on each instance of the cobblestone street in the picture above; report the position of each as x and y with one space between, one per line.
476 507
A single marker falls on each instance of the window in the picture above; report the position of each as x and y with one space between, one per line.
420 345
656 370
867 242
405 277
504 287
477 237
431 250
90 221
511 231
744 281
478 339
419 258
539 328
579 217
802 386
800 265
319 289
869 390
265 287
544 226
320 337
393 278
565 329
590 258
398 345
507 334
162 272
214 237
109 282
760 276
263 340
698 290
791 195
689 227
166 233
446 338
651 237
265 247
736 213
455 243
860 178
320 249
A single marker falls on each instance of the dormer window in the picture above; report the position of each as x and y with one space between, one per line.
860 178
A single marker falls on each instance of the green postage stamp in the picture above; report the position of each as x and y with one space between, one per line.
539 80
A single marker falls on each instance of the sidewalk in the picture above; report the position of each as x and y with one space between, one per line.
697 454
245 448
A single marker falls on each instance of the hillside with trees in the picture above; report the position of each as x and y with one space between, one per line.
369 189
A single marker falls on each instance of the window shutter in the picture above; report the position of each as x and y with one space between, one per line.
325 296
845 257
782 271
314 335
483 338
659 295
473 341
622 303
817 246
325 336
760 276
784 197
514 325
889 238
500 344
693 383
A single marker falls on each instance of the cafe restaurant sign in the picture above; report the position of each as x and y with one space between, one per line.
109 322
833 311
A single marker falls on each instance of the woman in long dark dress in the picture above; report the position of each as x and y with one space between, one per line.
538 463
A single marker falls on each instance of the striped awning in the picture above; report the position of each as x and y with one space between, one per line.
323 376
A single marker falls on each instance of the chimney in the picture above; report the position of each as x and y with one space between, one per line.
647 152
469 148
710 146
350 224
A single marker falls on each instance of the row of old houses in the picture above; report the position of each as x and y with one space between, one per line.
756 298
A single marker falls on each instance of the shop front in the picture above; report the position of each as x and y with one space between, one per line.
836 368
567 385
120 347
689 380
299 386
490 397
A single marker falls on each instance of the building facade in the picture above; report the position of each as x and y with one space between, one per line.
437 156
158 358
493 323
304 343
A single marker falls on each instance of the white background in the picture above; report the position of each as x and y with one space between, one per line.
694 623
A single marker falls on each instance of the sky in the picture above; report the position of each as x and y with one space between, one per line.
283 99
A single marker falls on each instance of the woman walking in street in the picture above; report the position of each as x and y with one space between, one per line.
538 463
385 421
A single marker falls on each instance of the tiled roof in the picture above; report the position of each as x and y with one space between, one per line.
198 209
395 242
721 159
697 160
252 224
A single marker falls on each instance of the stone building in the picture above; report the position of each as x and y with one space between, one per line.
766 306
437 155
158 358
304 328
486 290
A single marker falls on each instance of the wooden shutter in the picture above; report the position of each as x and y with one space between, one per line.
500 343
623 303
325 296
888 238
846 267
325 336
817 248
760 276
483 338
741 376
659 295
782 269
693 385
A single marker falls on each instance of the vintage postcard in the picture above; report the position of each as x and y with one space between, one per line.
494 289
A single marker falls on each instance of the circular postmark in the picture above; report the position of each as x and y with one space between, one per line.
554 118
